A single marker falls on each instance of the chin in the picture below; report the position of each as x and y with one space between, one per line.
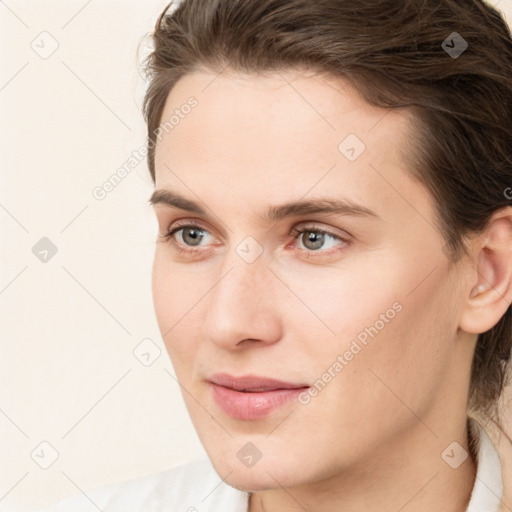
272 473
252 480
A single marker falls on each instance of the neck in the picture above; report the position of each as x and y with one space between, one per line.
406 474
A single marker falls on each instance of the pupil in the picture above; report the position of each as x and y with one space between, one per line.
194 234
314 239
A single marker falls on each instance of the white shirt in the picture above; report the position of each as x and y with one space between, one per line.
196 487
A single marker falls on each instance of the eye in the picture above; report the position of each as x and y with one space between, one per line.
191 236
316 240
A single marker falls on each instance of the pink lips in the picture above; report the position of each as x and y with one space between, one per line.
251 397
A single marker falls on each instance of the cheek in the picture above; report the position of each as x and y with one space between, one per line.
394 325
175 293
339 303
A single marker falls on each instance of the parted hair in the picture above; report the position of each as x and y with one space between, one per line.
398 54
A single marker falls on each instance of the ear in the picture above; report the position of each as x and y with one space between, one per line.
489 291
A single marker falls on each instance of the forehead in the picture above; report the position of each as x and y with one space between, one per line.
307 104
265 136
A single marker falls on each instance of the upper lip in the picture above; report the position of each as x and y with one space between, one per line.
252 383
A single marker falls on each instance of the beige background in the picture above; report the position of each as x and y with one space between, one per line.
69 326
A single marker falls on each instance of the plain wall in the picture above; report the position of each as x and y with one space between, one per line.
69 325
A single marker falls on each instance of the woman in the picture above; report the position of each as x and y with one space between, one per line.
333 270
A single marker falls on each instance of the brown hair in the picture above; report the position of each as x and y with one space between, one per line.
397 54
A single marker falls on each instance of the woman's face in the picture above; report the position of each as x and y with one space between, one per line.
358 315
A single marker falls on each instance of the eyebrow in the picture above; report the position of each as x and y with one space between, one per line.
273 213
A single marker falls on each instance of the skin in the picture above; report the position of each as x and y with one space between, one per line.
375 433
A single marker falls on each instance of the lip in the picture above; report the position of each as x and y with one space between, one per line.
251 397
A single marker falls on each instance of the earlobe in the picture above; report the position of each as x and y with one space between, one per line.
490 293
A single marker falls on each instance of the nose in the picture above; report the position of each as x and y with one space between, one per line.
242 307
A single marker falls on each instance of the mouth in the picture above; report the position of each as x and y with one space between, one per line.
252 397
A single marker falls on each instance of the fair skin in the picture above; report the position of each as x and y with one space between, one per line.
372 438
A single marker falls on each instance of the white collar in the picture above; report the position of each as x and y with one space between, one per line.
488 488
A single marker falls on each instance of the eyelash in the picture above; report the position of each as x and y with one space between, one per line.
169 237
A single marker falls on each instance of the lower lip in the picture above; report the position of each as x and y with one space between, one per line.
251 406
